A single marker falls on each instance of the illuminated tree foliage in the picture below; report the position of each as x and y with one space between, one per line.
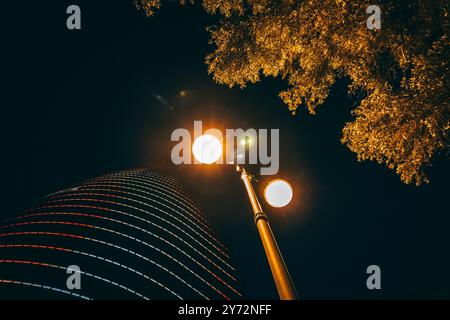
399 74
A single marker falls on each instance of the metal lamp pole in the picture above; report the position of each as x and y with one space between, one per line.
283 281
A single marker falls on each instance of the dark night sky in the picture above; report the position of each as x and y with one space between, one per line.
76 104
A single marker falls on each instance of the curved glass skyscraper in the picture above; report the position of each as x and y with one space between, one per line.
128 235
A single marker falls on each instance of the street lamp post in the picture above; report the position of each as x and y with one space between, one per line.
208 149
280 273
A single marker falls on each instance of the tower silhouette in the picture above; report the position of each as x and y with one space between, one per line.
132 234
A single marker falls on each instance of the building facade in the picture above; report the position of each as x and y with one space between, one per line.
132 234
